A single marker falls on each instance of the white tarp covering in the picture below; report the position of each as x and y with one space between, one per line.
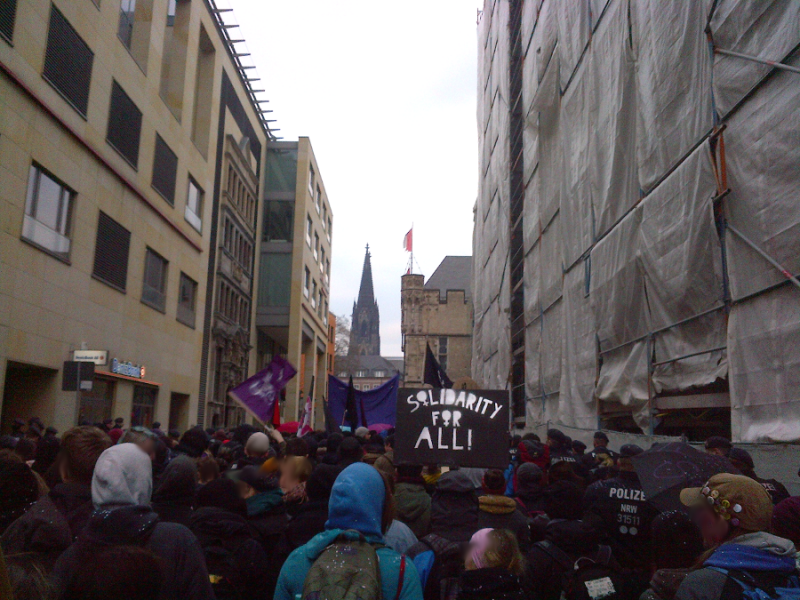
673 81
624 273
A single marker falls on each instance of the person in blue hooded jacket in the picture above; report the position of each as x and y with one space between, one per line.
361 501
734 514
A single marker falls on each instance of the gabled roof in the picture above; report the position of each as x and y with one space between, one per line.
454 273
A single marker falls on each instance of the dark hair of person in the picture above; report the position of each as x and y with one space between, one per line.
117 573
389 506
389 441
531 437
334 440
80 449
208 468
46 454
28 577
296 447
25 449
406 470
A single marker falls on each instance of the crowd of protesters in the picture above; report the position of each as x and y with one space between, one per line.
105 512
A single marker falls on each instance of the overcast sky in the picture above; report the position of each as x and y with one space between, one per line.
386 91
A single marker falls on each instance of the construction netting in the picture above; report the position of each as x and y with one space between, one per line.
661 219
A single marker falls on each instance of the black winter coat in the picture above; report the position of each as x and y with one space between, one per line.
183 564
216 528
490 584
52 524
308 522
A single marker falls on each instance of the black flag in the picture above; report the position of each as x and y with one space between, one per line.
434 373
350 411
331 426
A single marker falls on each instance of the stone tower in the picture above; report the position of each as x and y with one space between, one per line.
365 328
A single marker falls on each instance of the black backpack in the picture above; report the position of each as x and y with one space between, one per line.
448 564
595 577
224 573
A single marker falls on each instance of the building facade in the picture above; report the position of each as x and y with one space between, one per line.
368 372
626 274
365 324
438 313
294 276
112 128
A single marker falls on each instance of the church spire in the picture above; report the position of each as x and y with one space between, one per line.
366 295
365 327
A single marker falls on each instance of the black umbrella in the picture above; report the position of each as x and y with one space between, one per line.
666 469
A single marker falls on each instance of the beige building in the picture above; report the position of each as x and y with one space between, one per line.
294 277
115 123
439 313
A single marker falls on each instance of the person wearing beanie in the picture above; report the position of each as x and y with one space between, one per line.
718 445
677 544
266 511
360 507
194 442
565 534
578 448
362 433
493 567
786 520
174 494
497 511
413 502
221 527
530 490
742 460
121 487
350 451
734 514
618 508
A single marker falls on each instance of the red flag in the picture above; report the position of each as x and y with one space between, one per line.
407 240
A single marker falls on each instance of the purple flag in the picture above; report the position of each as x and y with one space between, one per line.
258 394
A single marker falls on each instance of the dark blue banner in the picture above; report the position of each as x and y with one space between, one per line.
379 405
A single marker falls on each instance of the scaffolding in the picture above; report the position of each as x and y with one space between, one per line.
637 228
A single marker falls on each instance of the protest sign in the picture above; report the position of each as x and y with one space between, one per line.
468 428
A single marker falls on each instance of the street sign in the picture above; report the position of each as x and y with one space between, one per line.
98 357
77 375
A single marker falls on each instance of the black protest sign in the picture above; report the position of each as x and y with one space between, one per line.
467 428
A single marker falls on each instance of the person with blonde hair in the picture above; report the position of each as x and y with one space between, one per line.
295 471
493 567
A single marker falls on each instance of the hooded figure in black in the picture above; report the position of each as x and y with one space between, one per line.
311 516
567 533
530 491
173 496
121 488
237 564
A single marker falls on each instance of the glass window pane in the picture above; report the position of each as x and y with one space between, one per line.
48 202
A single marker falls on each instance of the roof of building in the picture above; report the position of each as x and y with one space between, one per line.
364 362
454 273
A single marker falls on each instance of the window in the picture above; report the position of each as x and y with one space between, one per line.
111 252
309 228
281 167
48 208
316 245
324 217
306 282
154 286
67 59
135 17
275 279
204 81
330 229
322 259
318 201
173 63
194 206
187 296
357 386
360 373
327 268
314 294
380 374
278 221
144 404
165 170
311 179
124 125
443 353
8 14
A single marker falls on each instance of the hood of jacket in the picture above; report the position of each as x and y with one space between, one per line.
122 525
576 538
264 502
123 475
214 525
177 483
497 505
357 501
454 508
412 500
759 551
